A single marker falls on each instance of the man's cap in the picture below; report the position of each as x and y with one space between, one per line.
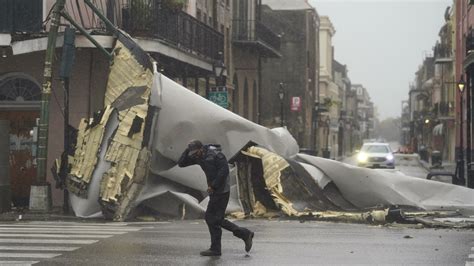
194 146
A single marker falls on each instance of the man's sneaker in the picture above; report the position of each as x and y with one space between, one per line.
210 252
248 242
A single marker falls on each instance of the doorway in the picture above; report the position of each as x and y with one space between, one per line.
20 97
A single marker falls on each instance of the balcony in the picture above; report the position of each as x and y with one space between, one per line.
176 28
21 16
254 34
442 54
153 19
445 110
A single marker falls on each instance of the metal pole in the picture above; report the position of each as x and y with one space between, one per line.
46 94
86 34
281 112
66 141
468 122
470 172
110 26
461 140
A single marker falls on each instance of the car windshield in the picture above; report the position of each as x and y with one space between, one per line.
375 149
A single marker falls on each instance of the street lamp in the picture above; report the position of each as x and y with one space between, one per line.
461 84
281 94
219 70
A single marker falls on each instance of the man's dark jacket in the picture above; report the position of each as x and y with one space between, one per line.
215 166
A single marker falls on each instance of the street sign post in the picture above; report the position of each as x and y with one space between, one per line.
218 95
295 104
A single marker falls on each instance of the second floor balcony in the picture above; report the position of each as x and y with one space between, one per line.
253 33
443 110
152 19
21 17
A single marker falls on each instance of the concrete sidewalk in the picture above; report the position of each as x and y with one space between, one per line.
56 214
445 167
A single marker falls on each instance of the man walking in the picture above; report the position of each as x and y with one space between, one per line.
215 166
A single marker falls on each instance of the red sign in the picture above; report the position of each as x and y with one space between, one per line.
295 104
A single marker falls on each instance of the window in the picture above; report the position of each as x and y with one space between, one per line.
19 87
375 149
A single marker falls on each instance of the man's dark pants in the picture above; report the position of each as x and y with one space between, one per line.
215 214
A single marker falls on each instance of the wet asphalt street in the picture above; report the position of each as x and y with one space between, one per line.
276 243
407 164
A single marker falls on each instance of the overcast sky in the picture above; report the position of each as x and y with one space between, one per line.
383 42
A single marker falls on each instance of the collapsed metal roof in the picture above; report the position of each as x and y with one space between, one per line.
126 157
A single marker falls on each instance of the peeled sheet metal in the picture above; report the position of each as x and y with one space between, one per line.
185 115
367 188
127 156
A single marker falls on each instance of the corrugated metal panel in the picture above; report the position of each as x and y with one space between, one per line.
21 16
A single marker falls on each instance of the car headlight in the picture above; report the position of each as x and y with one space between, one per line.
390 157
362 157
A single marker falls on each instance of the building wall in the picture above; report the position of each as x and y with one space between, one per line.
245 63
87 89
296 70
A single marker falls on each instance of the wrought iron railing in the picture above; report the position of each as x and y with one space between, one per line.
153 19
442 51
252 30
21 16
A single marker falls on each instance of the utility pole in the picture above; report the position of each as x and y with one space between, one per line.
40 194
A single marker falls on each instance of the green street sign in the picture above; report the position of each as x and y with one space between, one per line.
218 95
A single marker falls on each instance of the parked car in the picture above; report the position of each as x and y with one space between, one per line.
376 155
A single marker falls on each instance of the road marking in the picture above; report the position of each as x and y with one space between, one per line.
128 229
17 240
76 223
55 236
55 231
17 262
38 248
47 241
30 255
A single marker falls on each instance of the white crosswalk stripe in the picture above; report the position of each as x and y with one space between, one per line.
17 262
29 243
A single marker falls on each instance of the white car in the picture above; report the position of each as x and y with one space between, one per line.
376 155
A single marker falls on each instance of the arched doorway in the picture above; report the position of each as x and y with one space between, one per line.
20 101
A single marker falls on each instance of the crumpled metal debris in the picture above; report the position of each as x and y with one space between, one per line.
126 157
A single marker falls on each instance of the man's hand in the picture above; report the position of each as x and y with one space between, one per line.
210 190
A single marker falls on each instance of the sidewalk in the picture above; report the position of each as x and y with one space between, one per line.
56 214
445 167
